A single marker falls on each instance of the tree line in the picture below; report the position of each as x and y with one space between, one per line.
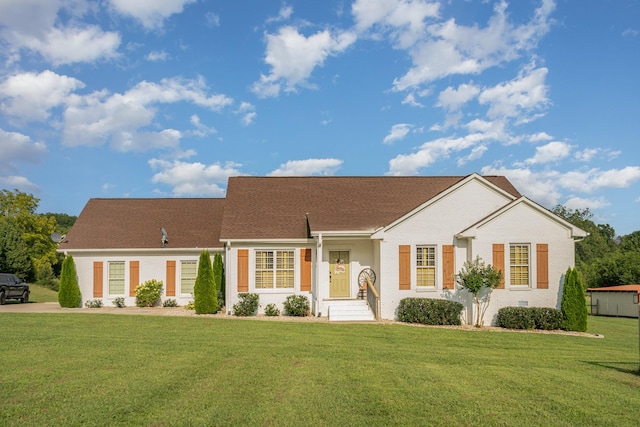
603 258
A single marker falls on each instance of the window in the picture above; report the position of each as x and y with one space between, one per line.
188 273
281 273
519 264
426 266
116 278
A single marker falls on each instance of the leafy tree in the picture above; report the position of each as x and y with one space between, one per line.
35 229
205 295
618 268
630 242
64 222
14 252
69 293
480 280
574 303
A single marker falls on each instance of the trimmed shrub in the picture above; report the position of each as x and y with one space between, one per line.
218 275
189 306
170 303
271 310
429 311
148 293
119 302
205 295
574 303
529 318
296 305
247 306
69 293
94 303
547 318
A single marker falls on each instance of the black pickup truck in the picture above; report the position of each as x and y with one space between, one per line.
11 287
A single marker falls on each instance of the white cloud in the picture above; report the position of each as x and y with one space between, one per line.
193 179
517 97
453 99
397 133
540 136
17 147
307 167
157 56
546 186
151 14
581 203
630 32
31 96
38 26
248 113
100 117
432 151
213 20
404 20
20 182
284 14
475 154
449 48
551 152
202 130
410 99
293 57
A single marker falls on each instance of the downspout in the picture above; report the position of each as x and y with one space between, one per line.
227 247
317 281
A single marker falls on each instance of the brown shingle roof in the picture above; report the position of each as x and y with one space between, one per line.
277 207
135 224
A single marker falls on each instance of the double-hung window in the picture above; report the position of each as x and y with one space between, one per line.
519 263
116 277
275 269
188 273
426 266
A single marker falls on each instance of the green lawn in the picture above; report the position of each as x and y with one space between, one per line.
99 369
42 294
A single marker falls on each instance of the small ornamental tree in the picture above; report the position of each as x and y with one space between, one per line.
205 295
574 303
479 280
69 293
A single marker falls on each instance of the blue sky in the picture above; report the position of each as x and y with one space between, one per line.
168 98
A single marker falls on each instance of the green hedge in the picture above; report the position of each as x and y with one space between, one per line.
428 311
529 318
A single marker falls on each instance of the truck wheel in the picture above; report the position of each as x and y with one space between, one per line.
25 297
2 298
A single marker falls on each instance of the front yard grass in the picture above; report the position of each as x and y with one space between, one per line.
95 369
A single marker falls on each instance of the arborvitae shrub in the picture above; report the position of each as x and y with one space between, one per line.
247 306
205 295
574 304
429 311
296 305
69 293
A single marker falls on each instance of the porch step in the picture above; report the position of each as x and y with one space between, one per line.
350 311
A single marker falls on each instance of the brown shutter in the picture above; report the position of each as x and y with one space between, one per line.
498 261
405 267
305 270
542 260
171 279
243 270
134 277
447 267
97 279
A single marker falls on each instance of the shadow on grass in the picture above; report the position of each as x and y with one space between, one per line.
625 367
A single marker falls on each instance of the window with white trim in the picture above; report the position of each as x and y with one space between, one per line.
188 274
116 278
519 264
275 269
426 266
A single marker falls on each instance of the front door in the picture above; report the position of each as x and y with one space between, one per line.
339 274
